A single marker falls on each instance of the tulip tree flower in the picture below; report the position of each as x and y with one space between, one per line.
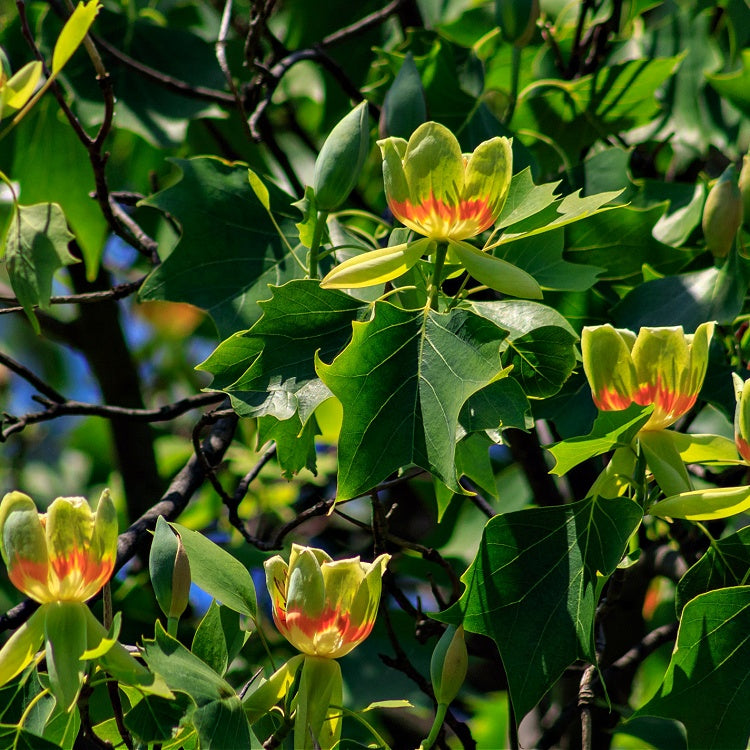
324 608
61 559
447 197
660 366
742 417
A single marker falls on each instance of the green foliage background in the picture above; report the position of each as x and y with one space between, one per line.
429 426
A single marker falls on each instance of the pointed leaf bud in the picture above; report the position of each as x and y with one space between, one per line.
722 214
340 160
170 570
449 663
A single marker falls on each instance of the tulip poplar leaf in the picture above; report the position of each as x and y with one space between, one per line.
35 247
229 251
270 369
726 563
153 718
18 738
403 381
533 587
223 724
709 667
295 442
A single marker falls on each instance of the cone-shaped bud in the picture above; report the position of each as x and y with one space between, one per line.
742 416
517 20
170 570
434 189
340 160
324 607
448 665
66 554
661 366
722 214
744 185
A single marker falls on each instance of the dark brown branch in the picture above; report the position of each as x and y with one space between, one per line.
119 291
221 57
364 24
32 379
182 488
57 409
168 82
272 77
428 553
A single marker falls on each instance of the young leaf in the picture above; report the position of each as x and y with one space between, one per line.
35 247
495 273
18 89
612 429
183 671
376 266
73 33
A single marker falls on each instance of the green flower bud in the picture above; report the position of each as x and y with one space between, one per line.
340 160
722 214
745 187
448 666
170 570
517 20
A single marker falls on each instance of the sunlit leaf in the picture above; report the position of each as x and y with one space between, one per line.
533 587
709 668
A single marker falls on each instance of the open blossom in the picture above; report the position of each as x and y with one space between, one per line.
321 606
434 189
742 416
64 555
660 366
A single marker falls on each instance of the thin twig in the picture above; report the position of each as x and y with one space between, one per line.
32 379
66 408
221 56
116 292
168 82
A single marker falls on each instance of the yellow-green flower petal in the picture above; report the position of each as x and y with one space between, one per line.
496 273
67 554
376 266
661 366
434 189
324 607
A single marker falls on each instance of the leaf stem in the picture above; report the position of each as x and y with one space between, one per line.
436 725
320 224
432 295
